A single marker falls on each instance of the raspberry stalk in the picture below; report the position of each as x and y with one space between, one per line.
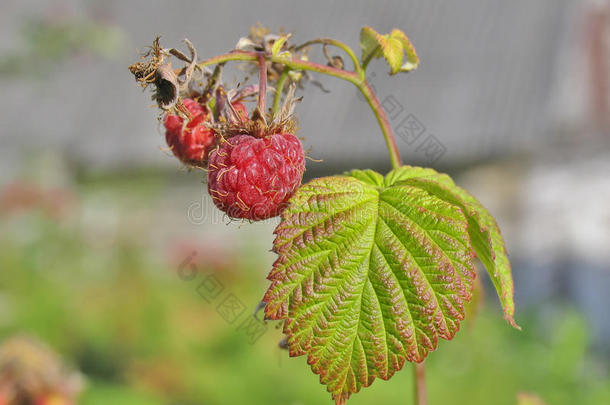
262 84
357 78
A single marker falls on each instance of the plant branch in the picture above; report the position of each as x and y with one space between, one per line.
292 63
262 84
419 384
352 77
329 41
382 119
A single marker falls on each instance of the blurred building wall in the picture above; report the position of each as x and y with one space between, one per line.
486 86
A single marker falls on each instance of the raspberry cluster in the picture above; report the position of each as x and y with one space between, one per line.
192 141
251 173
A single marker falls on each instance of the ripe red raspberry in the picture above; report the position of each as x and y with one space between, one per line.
191 143
252 177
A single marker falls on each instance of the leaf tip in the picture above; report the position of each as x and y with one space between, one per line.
511 322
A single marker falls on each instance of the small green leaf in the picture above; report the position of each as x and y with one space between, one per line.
391 46
212 105
369 44
277 45
412 58
392 52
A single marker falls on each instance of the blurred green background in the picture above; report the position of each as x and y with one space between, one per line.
80 274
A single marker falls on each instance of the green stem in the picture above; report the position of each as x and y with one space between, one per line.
279 89
329 41
419 384
382 119
355 78
369 57
292 63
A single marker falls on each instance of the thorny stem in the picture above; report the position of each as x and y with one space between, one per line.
279 89
419 384
356 79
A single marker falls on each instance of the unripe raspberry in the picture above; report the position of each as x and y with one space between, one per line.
191 143
253 178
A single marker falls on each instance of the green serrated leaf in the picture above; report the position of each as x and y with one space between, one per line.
412 58
367 176
490 248
392 52
371 48
371 272
474 306
485 235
